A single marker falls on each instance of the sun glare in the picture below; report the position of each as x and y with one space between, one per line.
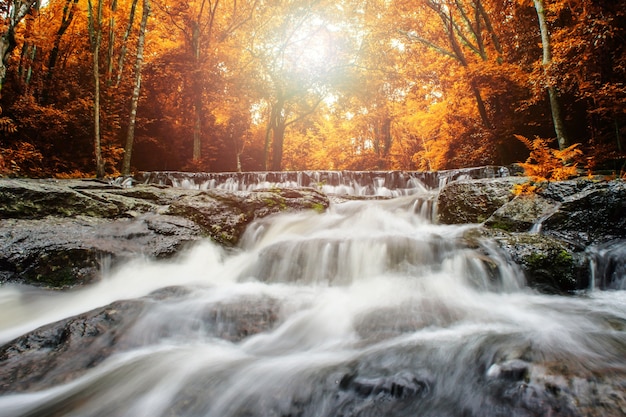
312 46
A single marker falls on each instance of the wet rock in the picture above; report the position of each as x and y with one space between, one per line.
225 215
515 370
63 252
562 392
581 211
62 351
595 214
548 232
62 233
474 201
387 395
400 386
232 320
522 213
549 264
59 352
40 198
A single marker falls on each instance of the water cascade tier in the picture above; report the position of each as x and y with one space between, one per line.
355 183
367 309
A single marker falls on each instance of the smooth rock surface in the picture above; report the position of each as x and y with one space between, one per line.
62 233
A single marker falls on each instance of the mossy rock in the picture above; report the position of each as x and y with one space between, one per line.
31 199
224 216
474 201
550 265
596 214
63 268
521 213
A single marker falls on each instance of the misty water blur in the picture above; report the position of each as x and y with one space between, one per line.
369 287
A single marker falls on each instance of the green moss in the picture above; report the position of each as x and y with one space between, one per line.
59 277
222 236
276 201
536 259
318 207
561 259
500 226
564 257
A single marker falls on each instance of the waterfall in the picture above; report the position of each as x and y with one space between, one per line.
353 183
368 309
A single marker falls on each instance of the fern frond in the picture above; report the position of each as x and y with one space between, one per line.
545 163
568 154
525 141
7 125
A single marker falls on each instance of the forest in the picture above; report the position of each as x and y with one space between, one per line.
111 87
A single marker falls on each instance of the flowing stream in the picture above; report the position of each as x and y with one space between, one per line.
369 309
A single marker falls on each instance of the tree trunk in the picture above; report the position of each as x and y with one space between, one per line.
66 20
130 137
239 169
17 12
96 116
458 52
129 27
197 103
277 146
482 109
95 37
555 105
197 129
274 122
7 43
109 73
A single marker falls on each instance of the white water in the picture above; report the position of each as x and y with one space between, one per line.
371 289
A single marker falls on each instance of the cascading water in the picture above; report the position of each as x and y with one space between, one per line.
355 183
369 309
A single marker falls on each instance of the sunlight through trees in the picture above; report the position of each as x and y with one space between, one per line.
225 85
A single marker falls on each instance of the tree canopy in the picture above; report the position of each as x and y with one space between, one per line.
226 85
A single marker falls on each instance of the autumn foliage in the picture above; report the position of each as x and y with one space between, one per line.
548 164
223 85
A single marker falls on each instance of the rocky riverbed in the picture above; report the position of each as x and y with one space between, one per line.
64 233
486 303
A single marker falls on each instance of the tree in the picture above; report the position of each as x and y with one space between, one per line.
122 56
69 10
463 28
555 105
204 24
14 13
299 59
353 84
95 40
130 137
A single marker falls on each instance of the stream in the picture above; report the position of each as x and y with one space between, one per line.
368 309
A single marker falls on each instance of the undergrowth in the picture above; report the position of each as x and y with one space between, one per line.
545 164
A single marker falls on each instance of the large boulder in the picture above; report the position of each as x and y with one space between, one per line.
60 352
225 215
62 252
39 198
582 211
595 214
474 201
550 233
550 265
62 233
522 214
